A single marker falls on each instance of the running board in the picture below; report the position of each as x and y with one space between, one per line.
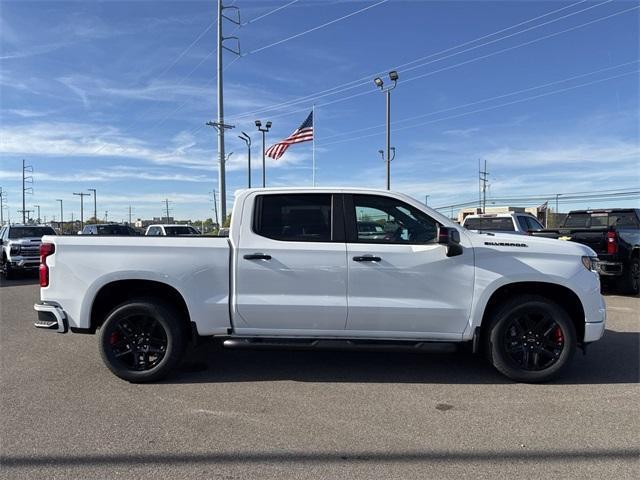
332 344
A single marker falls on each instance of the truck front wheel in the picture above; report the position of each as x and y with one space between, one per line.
531 339
142 340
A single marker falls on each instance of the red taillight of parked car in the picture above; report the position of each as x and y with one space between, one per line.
612 243
46 249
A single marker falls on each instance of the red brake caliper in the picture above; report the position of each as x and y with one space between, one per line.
113 339
557 335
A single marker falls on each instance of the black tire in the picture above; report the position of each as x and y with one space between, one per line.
631 280
8 272
142 340
530 339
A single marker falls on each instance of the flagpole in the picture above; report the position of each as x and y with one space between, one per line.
313 156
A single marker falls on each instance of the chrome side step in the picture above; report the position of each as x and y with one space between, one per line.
333 344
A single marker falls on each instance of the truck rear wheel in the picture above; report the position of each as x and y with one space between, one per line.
531 339
631 279
142 340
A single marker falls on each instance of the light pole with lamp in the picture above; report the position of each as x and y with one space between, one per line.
393 76
264 131
247 139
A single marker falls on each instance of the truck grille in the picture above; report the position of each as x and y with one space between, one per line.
30 251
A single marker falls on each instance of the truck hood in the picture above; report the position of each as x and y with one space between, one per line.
531 244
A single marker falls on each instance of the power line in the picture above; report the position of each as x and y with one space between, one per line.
365 80
485 100
493 107
317 28
269 13
450 67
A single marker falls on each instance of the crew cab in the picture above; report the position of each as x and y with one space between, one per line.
518 223
170 230
21 247
296 269
614 234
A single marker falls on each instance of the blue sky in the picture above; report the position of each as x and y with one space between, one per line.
114 95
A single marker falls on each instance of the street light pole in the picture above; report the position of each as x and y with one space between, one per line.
61 217
38 207
95 204
247 139
264 131
393 76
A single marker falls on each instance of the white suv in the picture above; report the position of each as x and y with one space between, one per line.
518 223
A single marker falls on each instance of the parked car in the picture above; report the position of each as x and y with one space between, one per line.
296 269
108 229
519 223
21 247
223 232
614 234
171 230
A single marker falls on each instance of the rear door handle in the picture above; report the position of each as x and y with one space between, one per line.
367 258
257 256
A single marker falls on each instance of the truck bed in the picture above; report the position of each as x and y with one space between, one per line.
196 267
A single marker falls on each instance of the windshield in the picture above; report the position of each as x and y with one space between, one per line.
25 232
113 230
601 219
186 230
493 224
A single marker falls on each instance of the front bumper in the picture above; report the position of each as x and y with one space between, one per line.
51 317
609 269
24 263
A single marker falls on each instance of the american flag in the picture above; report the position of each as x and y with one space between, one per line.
304 133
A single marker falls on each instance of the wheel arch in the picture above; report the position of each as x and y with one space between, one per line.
561 295
116 292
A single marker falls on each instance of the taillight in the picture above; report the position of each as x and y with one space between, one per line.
612 243
46 249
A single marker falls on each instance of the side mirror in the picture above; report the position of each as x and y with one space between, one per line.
451 238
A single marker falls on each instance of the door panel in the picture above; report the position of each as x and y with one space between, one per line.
303 285
413 287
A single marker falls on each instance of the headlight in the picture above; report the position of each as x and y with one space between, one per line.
590 263
15 249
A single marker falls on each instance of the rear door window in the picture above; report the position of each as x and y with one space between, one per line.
498 224
294 217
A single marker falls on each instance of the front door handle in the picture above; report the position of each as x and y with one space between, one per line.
257 256
367 258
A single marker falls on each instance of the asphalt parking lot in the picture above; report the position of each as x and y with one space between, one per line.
312 414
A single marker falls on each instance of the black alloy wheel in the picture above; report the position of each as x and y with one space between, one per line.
143 340
533 340
530 339
139 342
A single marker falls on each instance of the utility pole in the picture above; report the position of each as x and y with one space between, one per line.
166 204
82 195
482 185
61 217
106 216
2 195
129 214
215 207
38 207
95 204
393 76
26 179
426 199
219 124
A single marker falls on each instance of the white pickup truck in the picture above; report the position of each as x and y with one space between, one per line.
297 268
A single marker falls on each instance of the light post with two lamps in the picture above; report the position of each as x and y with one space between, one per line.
264 131
393 76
